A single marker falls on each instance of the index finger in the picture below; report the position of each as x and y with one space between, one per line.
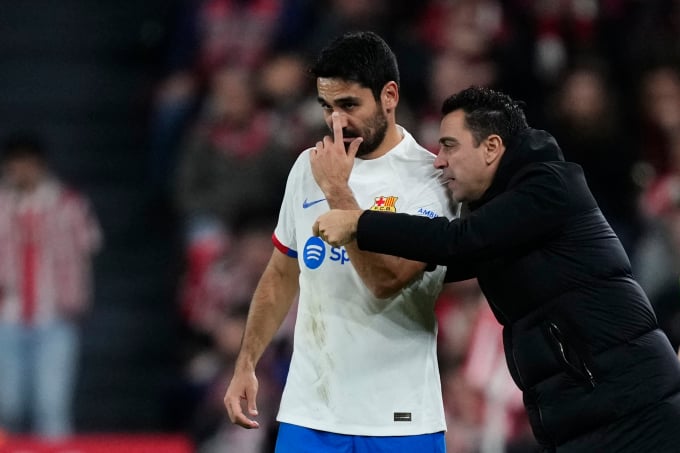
337 128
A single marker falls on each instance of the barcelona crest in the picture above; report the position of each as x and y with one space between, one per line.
385 204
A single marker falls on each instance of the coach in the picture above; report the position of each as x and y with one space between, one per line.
581 338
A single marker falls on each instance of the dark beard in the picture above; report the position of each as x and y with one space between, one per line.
373 134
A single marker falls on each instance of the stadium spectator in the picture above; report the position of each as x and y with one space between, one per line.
588 122
209 35
658 173
231 163
48 234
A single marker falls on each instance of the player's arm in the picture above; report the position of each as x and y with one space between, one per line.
384 275
271 301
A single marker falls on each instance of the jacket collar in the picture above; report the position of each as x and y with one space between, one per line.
528 147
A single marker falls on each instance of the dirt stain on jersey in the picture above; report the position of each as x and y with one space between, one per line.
317 326
322 391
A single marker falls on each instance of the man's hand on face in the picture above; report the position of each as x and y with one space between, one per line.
331 162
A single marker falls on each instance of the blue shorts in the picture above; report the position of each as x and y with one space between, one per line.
298 439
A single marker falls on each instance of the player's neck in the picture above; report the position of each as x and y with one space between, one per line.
392 138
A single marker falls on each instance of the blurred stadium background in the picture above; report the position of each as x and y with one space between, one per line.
138 100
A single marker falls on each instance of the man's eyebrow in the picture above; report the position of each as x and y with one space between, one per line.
343 100
448 141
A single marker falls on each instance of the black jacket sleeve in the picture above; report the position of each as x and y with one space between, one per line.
535 205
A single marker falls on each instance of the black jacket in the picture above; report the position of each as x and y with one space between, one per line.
581 338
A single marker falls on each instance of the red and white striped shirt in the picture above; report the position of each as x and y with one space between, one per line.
47 238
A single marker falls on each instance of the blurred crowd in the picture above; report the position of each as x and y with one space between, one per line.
235 106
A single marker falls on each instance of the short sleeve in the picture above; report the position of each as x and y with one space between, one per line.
284 237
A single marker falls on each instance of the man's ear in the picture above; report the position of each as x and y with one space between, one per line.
494 148
389 97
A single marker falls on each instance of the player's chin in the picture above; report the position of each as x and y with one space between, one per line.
454 190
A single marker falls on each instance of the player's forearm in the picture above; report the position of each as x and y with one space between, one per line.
341 197
270 305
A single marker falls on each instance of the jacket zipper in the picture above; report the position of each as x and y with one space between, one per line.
586 373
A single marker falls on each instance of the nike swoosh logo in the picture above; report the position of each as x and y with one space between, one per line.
306 204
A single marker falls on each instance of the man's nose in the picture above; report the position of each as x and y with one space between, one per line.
440 162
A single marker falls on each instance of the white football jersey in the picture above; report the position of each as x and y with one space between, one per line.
362 365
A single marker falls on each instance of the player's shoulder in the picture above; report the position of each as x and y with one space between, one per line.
70 197
419 161
301 164
303 157
414 150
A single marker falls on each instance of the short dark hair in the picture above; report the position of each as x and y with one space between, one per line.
488 112
21 145
361 57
